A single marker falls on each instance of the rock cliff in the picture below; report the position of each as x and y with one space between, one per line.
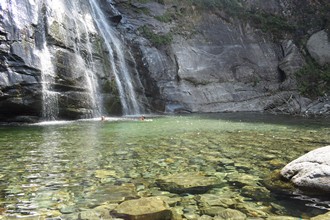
57 62
220 60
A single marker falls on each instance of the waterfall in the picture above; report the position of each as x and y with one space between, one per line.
119 66
70 48
83 64
88 63
50 108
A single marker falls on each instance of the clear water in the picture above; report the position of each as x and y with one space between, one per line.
53 166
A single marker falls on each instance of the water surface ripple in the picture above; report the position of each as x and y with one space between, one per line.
62 168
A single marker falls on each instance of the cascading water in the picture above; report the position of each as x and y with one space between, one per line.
50 108
82 62
123 78
87 63
70 48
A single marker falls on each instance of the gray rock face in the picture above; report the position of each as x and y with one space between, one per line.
215 64
310 171
318 46
221 67
292 62
56 48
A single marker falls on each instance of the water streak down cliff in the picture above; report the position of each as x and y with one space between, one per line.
63 60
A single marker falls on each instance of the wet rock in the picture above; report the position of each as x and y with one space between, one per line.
68 209
104 210
242 179
207 200
282 218
212 210
325 216
257 193
310 172
89 215
252 210
276 163
191 216
111 194
104 173
275 182
205 217
188 183
231 214
150 208
177 213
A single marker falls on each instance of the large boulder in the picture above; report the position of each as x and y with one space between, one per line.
318 47
310 172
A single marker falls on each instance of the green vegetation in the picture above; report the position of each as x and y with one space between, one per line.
166 17
268 23
155 39
314 80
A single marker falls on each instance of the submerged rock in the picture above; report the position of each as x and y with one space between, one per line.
188 183
311 171
231 214
112 194
322 217
275 182
151 208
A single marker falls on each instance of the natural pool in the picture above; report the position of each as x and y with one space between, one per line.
57 170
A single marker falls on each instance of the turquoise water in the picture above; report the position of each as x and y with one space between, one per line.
60 169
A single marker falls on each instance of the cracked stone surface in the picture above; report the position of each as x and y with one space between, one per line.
310 171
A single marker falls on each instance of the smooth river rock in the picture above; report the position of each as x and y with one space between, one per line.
150 208
188 183
311 171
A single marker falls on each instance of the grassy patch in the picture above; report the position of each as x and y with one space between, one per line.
167 17
314 80
155 39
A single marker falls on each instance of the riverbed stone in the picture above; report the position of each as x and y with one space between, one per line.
149 208
208 200
194 182
89 215
231 214
310 172
243 179
256 192
111 194
282 218
276 183
325 216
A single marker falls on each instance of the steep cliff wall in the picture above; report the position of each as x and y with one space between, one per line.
57 63
234 56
